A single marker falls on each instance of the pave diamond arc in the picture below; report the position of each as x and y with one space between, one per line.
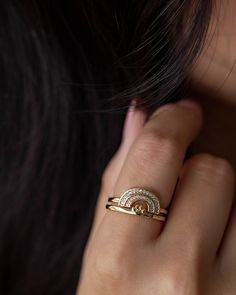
135 194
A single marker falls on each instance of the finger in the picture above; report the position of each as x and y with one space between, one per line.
153 162
227 253
134 122
200 208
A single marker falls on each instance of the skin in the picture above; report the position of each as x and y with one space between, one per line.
193 252
213 85
215 71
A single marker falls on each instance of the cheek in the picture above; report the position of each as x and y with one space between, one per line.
215 69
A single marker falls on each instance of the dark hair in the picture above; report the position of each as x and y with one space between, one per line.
68 70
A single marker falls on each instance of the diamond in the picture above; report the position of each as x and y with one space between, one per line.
135 194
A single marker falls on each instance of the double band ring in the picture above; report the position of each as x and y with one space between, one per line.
138 201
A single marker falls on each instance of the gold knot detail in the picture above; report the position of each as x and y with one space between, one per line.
139 209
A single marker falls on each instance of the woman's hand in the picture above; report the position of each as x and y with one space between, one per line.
194 251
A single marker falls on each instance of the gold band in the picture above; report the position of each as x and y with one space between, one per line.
138 201
116 201
128 211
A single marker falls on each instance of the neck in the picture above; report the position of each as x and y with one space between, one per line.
218 134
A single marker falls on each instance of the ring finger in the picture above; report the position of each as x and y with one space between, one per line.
153 162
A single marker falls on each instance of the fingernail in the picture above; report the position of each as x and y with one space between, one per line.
128 119
134 122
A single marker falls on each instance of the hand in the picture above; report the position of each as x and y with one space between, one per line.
193 252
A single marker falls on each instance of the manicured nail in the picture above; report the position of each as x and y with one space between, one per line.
134 122
128 119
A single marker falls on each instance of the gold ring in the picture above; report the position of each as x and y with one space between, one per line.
138 201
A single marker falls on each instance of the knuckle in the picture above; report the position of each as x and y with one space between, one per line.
224 168
170 107
212 166
154 142
166 107
173 107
